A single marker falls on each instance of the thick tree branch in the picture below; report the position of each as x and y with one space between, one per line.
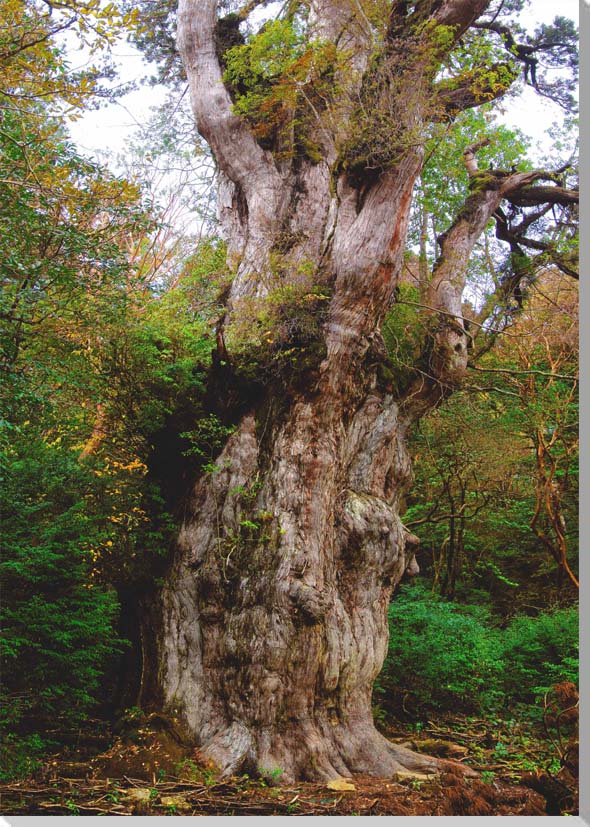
342 22
557 43
478 86
567 265
246 10
460 14
469 155
255 188
521 51
457 14
234 147
444 357
530 218
532 196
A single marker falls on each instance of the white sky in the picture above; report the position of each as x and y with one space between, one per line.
109 128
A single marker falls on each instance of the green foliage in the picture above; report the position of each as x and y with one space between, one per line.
384 125
446 656
57 620
66 268
557 44
443 194
468 500
280 83
78 522
441 655
160 358
106 357
487 460
64 227
20 755
280 333
96 357
541 651
254 73
99 350
208 437
57 617
265 57
403 334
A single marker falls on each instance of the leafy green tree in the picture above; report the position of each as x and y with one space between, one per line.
500 459
539 652
57 619
540 369
466 462
291 539
79 514
104 338
450 650
33 54
62 238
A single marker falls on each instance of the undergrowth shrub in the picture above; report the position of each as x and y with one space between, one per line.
540 652
450 657
57 621
441 656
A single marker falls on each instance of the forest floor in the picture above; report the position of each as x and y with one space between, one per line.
149 773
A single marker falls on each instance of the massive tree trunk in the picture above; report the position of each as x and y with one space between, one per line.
271 626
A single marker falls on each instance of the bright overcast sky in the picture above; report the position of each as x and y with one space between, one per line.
109 128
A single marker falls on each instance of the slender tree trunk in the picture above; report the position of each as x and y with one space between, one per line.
456 545
423 268
447 583
548 502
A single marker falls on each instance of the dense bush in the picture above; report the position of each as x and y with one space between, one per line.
441 656
445 656
91 435
539 652
57 622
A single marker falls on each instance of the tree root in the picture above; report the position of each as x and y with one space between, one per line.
321 753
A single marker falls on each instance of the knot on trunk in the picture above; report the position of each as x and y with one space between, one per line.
412 543
373 535
309 601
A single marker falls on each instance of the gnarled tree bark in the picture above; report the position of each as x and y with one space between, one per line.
271 626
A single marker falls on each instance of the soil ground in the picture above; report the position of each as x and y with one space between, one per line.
146 771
